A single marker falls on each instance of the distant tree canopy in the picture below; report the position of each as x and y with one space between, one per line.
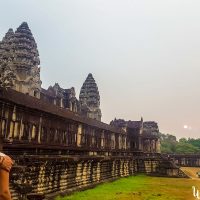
169 144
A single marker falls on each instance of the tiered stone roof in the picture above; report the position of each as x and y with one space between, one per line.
130 124
6 49
150 128
90 99
26 48
19 56
7 75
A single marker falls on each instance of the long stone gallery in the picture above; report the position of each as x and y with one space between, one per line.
58 142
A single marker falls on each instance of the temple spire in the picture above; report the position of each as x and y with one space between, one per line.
25 43
9 34
90 99
19 55
23 25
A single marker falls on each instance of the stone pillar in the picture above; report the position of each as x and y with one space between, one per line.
79 134
61 103
140 146
16 128
40 129
54 101
10 133
158 146
125 145
102 139
149 145
153 146
21 129
70 105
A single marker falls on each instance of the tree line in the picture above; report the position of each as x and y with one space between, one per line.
169 144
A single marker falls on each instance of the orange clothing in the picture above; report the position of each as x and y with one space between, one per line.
4 185
5 166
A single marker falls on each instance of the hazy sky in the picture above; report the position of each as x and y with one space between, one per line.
143 54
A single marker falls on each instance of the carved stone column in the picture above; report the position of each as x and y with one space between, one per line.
140 146
79 135
158 146
40 129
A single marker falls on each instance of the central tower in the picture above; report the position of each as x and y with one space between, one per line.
90 99
19 61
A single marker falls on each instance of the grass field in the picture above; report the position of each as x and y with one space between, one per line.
140 187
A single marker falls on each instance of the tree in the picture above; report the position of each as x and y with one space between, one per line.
169 144
184 147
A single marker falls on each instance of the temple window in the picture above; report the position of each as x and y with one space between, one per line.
35 93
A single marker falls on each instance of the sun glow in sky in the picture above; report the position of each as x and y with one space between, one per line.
144 55
185 126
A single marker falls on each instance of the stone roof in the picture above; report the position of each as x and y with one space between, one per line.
47 93
21 47
129 124
89 93
25 46
118 123
19 56
134 124
150 124
9 34
89 97
30 102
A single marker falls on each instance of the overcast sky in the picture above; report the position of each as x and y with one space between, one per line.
143 54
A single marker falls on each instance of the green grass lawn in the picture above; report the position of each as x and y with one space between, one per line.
139 187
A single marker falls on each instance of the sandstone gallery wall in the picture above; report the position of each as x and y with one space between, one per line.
56 151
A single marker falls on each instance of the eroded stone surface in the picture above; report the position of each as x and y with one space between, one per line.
19 70
19 61
90 99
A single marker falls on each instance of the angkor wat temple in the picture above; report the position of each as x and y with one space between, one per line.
58 142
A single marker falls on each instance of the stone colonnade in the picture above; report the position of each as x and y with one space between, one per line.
186 160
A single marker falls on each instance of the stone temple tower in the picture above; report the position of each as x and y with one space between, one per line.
19 61
89 99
